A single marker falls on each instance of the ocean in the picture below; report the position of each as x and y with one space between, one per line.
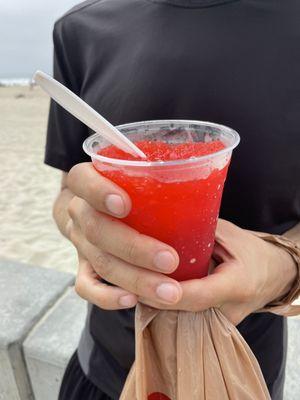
15 82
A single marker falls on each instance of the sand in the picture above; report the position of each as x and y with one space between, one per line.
28 187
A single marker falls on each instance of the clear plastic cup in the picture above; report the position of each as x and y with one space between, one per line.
176 202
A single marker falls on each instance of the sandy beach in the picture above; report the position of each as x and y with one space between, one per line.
28 187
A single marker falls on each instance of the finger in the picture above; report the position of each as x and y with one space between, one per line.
235 313
114 237
142 282
101 193
200 294
212 291
89 287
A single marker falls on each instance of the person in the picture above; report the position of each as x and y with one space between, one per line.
227 61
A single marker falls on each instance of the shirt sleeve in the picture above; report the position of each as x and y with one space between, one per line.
65 133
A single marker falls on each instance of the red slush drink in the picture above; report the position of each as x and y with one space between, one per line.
176 193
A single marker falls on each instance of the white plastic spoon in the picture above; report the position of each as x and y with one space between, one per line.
86 114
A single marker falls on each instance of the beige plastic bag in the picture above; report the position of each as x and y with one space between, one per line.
191 356
200 356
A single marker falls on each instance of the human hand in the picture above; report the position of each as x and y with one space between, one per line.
250 274
109 249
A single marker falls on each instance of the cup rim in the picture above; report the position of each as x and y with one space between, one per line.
129 163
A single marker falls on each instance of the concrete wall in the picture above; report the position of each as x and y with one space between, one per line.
27 296
51 343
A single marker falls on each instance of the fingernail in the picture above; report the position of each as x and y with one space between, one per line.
168 292
127 301
165 261
115 204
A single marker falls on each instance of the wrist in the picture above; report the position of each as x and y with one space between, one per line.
282 271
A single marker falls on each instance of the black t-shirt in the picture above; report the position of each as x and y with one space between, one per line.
233 62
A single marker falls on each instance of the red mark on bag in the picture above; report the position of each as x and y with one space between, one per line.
158 396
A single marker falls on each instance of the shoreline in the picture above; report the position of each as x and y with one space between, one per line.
22 82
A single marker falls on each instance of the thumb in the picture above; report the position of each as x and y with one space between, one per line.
211 291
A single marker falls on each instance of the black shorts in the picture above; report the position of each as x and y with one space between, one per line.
75 385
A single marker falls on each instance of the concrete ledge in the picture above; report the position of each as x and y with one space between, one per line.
26 292
51 343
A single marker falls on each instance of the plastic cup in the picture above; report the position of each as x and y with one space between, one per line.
176 202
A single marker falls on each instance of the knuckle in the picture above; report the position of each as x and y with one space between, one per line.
72 175
132 248
75 240
94 229
103 264
137 283
69 229
90 229
72 207
79 287
73 235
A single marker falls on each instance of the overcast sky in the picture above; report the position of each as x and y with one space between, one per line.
26 35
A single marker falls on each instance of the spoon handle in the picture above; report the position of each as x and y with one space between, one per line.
86 114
